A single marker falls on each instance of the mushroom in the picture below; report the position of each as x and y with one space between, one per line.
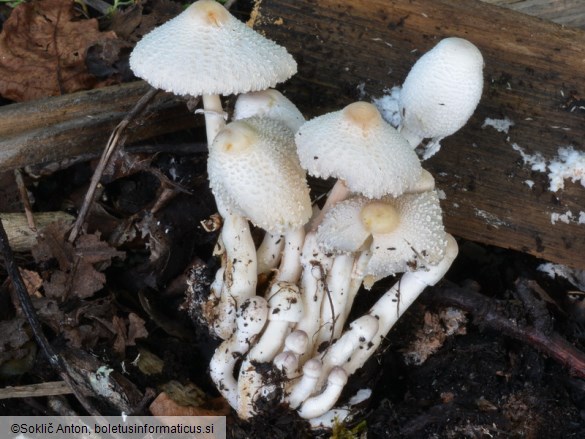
406 232
317 405
205 51
441 92
254 174
356 146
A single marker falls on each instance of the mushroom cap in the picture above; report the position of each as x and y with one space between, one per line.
357 146
206 50
254 172
442 90
417 240
269 103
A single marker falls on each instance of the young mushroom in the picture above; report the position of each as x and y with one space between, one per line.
441 92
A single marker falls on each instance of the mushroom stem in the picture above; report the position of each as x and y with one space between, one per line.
303 388
315 267
390 307
250 320
323 402
269 252
355 339
290 266
333 307
214 116
412 138
240 276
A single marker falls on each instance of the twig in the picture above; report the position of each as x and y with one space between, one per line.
55 360
25 199
112 145
487 312
51 388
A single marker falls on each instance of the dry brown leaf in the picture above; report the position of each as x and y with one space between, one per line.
43 47
163 405
136 329
80 265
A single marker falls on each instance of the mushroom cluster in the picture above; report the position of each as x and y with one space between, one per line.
282 307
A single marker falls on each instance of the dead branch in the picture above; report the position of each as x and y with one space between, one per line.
489 313
64 127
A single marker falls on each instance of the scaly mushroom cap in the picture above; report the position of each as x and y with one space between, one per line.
269 103
442 89
407 232
357 146
254 171
205 50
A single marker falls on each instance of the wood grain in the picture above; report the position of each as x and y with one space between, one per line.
532 67
63 127
567 12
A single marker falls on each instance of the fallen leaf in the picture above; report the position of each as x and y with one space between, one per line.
136 329
163 405
80 265
43 47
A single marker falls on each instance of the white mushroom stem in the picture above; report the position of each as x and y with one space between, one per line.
287 362
323 402
214 116
285 309
339 192
335 301
341 414
303 388
290 266
315 267
240 276
269 252
390 307
252 316
357 277
355 339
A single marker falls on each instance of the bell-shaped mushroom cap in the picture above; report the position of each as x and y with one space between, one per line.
418 241
269 103
407 232
254 172
357 146
206 50
441 90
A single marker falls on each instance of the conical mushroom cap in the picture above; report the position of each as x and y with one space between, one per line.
357 146
254 172
205 50
419 240
442 89
415 239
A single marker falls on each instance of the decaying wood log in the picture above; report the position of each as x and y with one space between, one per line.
355 49
74 124
568 12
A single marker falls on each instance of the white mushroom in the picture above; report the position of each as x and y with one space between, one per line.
307 384
356 146
254 174
205 51
441 91
407 232
318 405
